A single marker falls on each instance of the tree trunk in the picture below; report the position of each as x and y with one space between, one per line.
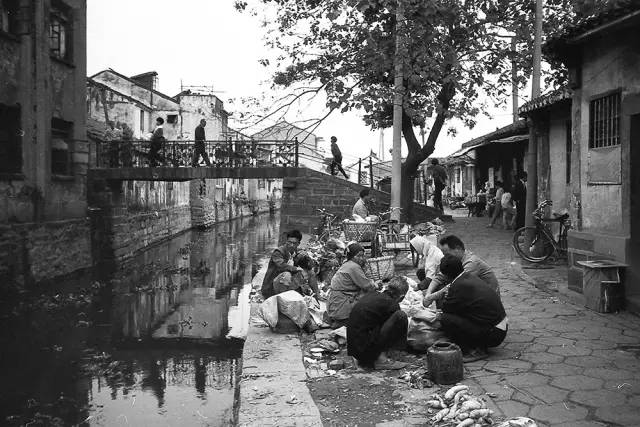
417 153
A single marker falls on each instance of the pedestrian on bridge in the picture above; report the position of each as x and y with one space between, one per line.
157 140
337 158
199 148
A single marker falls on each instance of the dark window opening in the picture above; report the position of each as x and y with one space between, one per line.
568 150
142 121
61 135
10 140
60 31
10 16
604 121
172 119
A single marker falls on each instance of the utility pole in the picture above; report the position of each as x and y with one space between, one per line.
514 79
396 154
532 151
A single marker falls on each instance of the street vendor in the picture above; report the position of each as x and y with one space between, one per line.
452 245
303 281
348 285
281 261
472 314
360 208
376 324
430 256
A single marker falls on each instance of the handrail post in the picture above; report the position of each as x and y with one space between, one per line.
297 150
359 170
370 172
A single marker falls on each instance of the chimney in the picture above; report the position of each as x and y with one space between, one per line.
148 80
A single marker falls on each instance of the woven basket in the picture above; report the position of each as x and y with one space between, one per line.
380 268
359 231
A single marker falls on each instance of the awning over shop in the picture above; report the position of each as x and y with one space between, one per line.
510 139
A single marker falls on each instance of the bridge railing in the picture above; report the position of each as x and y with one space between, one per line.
180 153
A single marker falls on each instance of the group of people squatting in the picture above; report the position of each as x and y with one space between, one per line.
460 287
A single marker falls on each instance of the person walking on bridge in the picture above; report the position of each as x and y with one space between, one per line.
337 158
199 149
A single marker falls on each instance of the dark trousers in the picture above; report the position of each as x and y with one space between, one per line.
520 213
198 151
437 197
392 333
337 164
154 154
469 334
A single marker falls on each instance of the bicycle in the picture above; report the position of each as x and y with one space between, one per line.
326 230
537 243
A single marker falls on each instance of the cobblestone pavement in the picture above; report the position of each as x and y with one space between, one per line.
561 364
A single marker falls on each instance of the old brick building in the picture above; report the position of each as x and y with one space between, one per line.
43 147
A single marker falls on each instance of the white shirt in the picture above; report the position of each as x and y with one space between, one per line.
431 255
506 200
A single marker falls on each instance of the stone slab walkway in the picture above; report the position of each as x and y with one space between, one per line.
561 364
273 391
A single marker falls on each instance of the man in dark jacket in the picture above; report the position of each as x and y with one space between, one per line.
281 261
337 158
376 324
519 196
199 149
439 176
472 313
157 140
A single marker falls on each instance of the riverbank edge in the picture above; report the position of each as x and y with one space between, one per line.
273 389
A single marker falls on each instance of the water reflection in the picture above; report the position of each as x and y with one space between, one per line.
142 362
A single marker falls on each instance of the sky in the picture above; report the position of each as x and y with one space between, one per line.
207 42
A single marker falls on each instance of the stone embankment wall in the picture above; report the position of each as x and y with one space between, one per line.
303 195
32 252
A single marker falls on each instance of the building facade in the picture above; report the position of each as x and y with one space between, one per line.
602 55
43 143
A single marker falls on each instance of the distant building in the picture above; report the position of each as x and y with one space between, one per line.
310 155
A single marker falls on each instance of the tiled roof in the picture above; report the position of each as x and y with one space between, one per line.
608 14
546 100
519 127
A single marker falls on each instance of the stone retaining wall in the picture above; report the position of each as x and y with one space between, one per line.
32 252
303 195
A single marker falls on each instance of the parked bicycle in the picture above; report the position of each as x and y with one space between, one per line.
537 243
326 230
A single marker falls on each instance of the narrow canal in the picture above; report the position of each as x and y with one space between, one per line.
156 341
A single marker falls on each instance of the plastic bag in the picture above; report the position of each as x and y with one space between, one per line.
424 330
268 311
292 305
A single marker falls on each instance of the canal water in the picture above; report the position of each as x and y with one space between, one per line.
156 341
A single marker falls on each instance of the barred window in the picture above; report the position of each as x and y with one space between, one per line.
60 31
604 121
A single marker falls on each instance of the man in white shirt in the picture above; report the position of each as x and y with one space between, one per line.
508 211
497 210
360 208
429 261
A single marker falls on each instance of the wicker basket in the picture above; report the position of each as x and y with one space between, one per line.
380 268
359 231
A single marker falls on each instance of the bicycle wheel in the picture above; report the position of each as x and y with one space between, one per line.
532 244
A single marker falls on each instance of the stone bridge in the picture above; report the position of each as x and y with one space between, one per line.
176 160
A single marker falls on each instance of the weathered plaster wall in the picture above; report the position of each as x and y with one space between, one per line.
608 65
208 107
559 191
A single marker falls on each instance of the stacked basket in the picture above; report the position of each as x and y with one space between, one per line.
359 231
380 268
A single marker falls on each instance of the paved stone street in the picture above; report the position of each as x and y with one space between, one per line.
561 364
